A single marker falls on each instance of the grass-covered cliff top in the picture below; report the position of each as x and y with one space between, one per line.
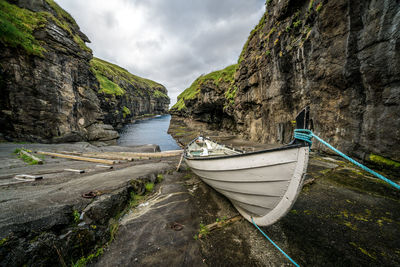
17 26
110 77
224 75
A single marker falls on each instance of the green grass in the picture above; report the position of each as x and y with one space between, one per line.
76 215
61 13
149 187
17 25
109 87
24 157
225 75
318 8
297 23
160 178
125 111
203 231
256 29
231 94
85 260
310 5
159 94
115 73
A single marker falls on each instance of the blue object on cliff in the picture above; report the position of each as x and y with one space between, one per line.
273 243
306 136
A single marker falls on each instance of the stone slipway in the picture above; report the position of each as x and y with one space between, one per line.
343 217
39 221
36 204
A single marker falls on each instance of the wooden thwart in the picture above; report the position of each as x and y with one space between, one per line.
104 161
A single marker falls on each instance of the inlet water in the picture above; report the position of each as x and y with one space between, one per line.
148 131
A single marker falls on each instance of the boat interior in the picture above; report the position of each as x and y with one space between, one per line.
204 147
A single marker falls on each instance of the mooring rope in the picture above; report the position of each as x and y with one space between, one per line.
307 135
273 243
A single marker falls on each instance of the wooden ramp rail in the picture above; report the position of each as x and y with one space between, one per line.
104 161
129 156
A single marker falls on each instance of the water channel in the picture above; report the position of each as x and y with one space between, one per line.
148 131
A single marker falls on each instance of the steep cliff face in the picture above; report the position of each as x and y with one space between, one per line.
49 90
342 58
210 98
124 96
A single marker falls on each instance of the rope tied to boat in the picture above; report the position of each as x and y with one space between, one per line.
273 243
307 135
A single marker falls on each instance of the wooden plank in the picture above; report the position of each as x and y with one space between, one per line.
114 157
73 170
104 161
36 177
39 161
180 162
27 177
104 166
134 155
70 153
220 224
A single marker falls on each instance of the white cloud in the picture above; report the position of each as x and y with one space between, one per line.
171 42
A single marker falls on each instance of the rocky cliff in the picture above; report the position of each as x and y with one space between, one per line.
124 96
342 58
50 92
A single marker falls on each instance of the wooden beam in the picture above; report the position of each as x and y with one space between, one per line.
180 162
73 170
27 177
104 161
220 224
134 155
104 166
39 161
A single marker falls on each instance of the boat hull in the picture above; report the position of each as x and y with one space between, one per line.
261 185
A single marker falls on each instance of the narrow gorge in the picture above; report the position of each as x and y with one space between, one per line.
53 90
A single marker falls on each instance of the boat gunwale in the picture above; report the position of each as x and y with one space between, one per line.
285 147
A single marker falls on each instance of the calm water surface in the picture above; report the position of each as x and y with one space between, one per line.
148 131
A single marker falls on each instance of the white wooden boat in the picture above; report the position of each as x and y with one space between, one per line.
262 185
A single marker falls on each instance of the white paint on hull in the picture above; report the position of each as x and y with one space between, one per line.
260 185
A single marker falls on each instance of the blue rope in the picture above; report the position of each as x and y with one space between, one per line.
307 135
273 243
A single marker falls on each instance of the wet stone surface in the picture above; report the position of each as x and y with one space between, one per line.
343 217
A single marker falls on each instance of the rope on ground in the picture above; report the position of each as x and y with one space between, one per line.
273 243
307 135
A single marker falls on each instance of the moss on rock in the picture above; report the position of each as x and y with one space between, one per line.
225 75
17 26
116 74
384 162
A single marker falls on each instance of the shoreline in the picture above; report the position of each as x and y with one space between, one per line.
136 206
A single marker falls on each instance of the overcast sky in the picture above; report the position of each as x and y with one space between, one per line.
169 41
